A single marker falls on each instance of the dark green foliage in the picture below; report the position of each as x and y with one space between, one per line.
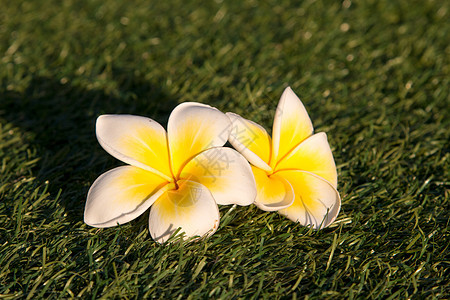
374 75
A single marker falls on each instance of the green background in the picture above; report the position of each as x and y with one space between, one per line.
373 75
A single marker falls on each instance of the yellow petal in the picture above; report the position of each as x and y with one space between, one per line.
273 192
317 202
135 140
121 195
193 128
291 125
225 173
251 140
191 207
312 155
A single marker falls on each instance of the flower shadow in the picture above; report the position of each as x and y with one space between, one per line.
60 119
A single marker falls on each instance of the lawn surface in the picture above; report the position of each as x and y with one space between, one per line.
374 75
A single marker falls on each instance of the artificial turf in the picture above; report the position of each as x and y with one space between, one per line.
373 74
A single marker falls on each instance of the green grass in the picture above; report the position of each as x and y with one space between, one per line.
374 75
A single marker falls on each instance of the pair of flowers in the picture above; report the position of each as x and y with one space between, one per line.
184 173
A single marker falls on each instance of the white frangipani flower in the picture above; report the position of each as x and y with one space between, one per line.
294 171
182 173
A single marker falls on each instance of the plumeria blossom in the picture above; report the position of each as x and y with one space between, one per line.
182 173
294 170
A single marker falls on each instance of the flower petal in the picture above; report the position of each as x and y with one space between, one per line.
291 125
121 195
191 207
317 202
135 140
313 155
193 128
274 192
251 140
225 173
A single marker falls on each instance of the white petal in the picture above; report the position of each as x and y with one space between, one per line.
121 195
135 140
191 207
291 125
313 155
317 202
193 128
225 173
251 140
274 192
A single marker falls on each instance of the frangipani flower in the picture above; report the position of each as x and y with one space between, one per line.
294 171
182 173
